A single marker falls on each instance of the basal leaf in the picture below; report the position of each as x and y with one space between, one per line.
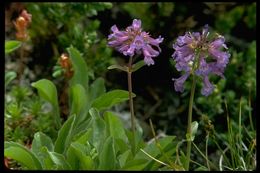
22 155
80 68
65 135
107 157
110 99
48 92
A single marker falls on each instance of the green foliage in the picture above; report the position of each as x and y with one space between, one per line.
92 136
9 76
111 98
48 91
22 155
81 73
194 128
11 45
226 21
77 26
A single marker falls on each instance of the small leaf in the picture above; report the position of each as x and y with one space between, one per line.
9 76
80 68
110 99
57 73
107 157
138 65
194 128
48 91
11 46
22 155
116 66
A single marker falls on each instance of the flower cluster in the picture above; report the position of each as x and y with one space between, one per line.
21 25
196 54
135 41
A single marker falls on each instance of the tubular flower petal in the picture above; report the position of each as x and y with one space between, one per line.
211 60
135 41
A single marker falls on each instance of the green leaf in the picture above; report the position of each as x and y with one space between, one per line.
79 101
48 92
45 159
138 65
124 157
110 99
139 143
135 165
22 155
119 67
85 136
98 126
107 157
77 157
80 68
9 76
11 46
97 88
41 140
114 126
59 161
194 129
65 135
167 145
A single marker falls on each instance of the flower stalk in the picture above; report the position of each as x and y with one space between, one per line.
193 86
131 104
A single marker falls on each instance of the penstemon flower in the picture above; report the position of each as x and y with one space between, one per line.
210 59
135 41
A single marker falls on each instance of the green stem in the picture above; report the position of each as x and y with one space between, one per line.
21 66
250 111
131 105
207 160
205 157
193 86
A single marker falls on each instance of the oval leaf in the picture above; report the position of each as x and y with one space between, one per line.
48 92
11 46
138 65
9 76
119 67
194 129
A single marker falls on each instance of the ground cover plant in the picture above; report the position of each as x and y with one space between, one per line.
130 86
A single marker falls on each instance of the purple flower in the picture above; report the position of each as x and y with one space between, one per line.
211 59
135 41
